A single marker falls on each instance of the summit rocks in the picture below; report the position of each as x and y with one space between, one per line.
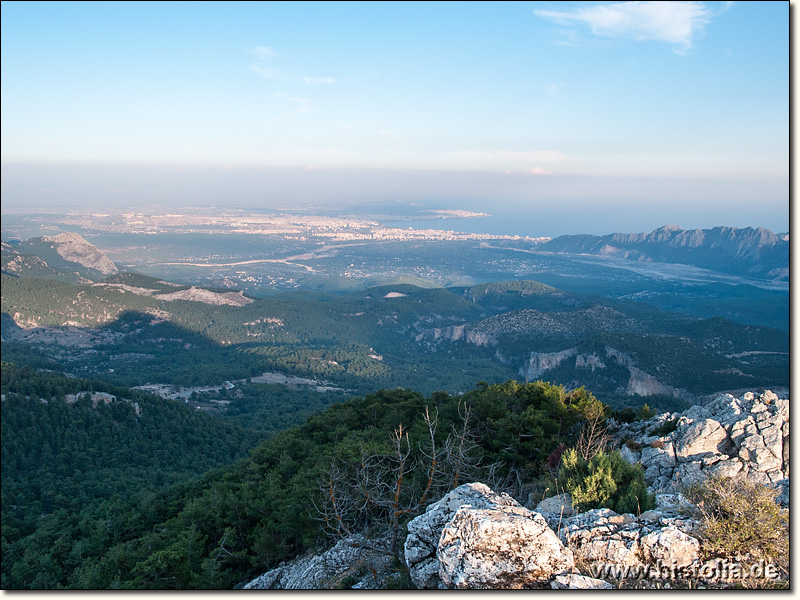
729 436
474 538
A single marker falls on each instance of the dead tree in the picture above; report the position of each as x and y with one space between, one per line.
378 495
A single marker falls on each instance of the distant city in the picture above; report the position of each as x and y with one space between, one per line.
292 226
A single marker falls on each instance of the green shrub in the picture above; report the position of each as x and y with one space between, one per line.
646 413
604 481
740 519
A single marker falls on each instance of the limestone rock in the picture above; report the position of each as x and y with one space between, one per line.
425 530
661 455
507 547
556 505
72 247
579 582
724 468
748 436
671 546
323 571
630 455
702 437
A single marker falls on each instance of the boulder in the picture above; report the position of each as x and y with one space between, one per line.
505 547
687 474
323 571
630 455
701 438
601 535
670 546
556 505
661 455
754 451
724 468
425 530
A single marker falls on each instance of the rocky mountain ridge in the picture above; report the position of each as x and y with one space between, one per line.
65 254
753 251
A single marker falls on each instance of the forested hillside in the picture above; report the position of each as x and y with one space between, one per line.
133 330
122 529
74 452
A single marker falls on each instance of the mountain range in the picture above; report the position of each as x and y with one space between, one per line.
755 252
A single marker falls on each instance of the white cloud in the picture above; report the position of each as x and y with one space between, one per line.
539 171
319 80
554 88
302 105
672 22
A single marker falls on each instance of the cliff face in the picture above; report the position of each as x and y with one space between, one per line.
541 362
638 383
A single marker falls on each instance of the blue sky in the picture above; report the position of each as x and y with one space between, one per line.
602 105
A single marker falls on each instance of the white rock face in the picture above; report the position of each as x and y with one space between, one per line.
540 362
699 439
505 547
603 536
425 530
494 542
74 248
671 546
729 436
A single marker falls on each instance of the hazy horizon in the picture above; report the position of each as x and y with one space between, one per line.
555 117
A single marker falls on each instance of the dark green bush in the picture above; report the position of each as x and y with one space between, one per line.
604 481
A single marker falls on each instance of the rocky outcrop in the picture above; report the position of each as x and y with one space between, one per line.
97 397
195 294
589 361
488 545
475 538
540 362
425 530
746 436
350 555
601 536
505 547
456 333
644 384
73 248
